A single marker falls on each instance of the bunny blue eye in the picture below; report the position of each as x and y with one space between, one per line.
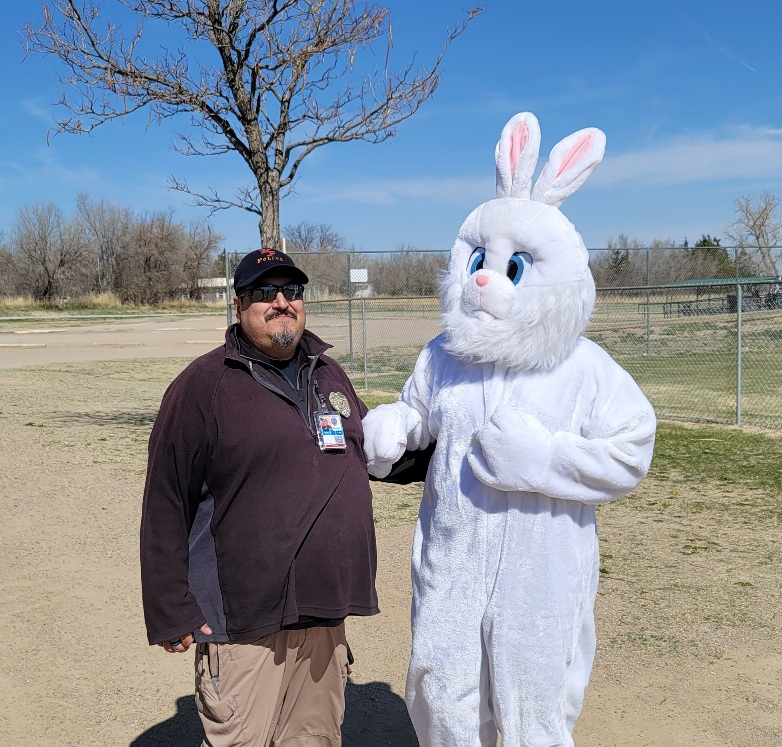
476 260
519 263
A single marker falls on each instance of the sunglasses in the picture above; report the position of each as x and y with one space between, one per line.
267 293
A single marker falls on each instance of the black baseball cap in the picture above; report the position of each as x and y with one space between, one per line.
261 262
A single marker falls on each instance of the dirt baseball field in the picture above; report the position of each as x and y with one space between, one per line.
688 612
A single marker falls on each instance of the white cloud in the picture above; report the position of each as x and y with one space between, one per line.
738 154
43 167
395 191
38 108
744 153
729 54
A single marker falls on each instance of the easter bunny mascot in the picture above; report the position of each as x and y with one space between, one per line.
534 426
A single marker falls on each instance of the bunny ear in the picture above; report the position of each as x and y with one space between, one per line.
570 164
516 156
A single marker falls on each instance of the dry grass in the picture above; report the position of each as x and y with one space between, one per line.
98 302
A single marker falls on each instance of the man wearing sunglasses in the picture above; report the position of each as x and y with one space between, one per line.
257 537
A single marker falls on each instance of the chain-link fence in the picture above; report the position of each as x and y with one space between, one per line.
700 329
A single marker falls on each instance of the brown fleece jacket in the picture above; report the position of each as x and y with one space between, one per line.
246 524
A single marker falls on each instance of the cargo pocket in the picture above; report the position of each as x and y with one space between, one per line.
213 704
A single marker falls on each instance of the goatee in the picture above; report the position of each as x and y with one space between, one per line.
284 338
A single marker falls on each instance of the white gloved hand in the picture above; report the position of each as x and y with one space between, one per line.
386 432
511 452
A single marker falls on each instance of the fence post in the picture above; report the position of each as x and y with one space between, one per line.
364 335
739 304
228 315
350 306
648 301
738 353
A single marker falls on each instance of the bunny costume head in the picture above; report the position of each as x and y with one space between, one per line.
518 290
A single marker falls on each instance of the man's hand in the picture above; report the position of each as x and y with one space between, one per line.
181 644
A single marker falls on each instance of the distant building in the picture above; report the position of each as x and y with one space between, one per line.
214 289
364 291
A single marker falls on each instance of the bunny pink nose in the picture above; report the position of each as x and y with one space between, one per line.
482 280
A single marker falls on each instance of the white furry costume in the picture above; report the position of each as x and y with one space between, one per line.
535 425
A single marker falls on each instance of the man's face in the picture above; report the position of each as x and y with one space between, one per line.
273 328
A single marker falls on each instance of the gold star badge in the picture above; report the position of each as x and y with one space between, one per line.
340 403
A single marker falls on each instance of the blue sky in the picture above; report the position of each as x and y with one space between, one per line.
688 92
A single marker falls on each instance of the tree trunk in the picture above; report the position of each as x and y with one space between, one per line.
269 224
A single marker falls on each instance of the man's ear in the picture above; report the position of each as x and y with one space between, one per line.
238 308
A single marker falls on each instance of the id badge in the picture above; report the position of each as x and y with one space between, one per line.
328 426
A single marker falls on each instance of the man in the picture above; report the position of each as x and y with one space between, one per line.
257 537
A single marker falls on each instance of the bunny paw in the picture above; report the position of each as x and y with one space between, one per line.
511 452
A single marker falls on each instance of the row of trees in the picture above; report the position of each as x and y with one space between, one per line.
146 259
406 271
151 258
143 259
630 262
753 250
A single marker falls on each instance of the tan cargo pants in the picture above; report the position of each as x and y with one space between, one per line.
284 690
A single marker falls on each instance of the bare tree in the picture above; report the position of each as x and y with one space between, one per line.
150 261
407 271
46 252
321 249
200 245
291 77
6 269
756 231
313 237
104 224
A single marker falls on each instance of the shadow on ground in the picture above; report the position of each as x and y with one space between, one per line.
137 419
374 715
181 730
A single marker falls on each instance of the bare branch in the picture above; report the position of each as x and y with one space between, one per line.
290 77
246 197
756 231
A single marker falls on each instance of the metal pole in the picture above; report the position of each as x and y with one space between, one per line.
364 341
738 342
648 299
350 307
228 299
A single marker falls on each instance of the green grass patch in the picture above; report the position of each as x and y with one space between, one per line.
374 398
721 456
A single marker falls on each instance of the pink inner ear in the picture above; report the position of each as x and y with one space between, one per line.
576 153
518 141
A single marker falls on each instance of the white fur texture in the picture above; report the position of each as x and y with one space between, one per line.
534 425
505 555
530 326
387 431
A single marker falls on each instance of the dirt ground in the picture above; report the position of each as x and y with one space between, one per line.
688 609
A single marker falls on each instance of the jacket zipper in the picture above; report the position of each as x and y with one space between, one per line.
305 415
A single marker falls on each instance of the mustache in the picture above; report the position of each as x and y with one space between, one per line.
274 314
